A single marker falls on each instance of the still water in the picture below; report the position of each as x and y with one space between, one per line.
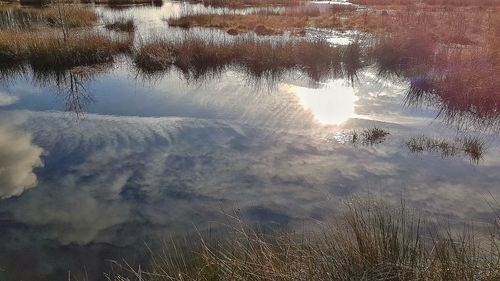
92 175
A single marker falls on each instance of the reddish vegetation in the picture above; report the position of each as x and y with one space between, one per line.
449 3
453 52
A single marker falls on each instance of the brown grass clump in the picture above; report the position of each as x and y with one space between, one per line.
72 16
120 24
50 50
155 56
371 242
27 17
263 23
249 3
258 58
124 2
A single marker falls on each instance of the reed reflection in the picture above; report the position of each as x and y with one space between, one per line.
201 58
71 85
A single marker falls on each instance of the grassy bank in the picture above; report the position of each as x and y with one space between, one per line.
249 3
371 242
455 3
41 3
293 20
257 58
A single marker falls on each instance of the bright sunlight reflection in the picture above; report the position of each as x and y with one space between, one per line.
331 104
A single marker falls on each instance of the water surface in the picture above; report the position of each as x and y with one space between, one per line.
91 174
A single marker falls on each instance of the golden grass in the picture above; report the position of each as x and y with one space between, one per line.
49 50
120 24
258 58
371 242
261 23
125 2
249 3
27 17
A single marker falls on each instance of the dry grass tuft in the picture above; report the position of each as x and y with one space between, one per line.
120 24
249 3
50 50
293 20
197 57
27 17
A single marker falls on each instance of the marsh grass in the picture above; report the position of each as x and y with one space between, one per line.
372 241
29 18
370 136
120 24
197 57
471 147
459 3
247 3
262 22
49 50
374 135
474 148
446 53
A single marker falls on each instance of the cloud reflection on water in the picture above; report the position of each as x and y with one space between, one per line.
18 157
193 151
6 99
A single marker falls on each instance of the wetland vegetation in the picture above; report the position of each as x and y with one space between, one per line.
372 241
262 22
198 57
472 147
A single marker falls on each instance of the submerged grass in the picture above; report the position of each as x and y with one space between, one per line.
371 242
369 136
472 147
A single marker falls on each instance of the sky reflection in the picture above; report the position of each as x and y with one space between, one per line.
149 160
18 157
